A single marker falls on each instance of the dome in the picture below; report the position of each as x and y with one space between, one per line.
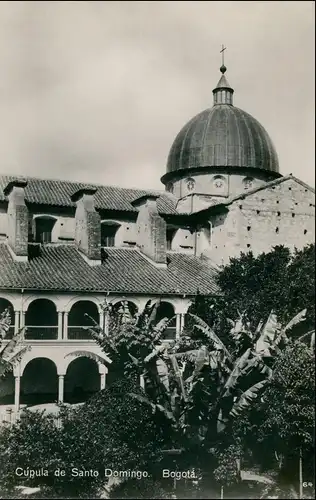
222 136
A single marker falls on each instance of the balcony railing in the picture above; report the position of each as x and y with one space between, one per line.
170 333
41 332
79 333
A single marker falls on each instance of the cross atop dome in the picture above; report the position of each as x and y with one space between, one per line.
223 67
223 92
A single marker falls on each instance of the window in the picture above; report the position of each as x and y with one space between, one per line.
43 229
108 232
248 183
219 182
190 183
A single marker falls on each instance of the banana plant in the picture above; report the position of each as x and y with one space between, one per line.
11 352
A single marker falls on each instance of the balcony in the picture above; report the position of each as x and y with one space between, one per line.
41 332
79 333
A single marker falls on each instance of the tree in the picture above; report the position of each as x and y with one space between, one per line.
110 431
196 389
289 428
278 280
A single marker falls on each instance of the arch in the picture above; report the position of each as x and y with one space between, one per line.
82 315
118 307
42 228
75 354
136 302
70 303
39 382
82 380
109 229
167 310
41 320
5 304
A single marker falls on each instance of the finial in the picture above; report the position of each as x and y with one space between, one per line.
223 67
223 93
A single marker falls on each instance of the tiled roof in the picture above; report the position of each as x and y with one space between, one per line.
58 193
62 268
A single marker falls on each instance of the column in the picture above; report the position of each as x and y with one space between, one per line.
178 325
102 372
60 388
16 321
66 325
102 381
22 316
182 322
106 323
101 319
60 325
17 381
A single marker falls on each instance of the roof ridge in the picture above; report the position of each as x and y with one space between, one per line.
267 185
28 177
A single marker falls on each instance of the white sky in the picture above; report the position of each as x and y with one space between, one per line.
97 91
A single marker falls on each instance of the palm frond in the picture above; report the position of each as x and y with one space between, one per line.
211 335
298 318
91 355
247 397
232 380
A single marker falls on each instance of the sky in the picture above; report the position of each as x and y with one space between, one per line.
97 91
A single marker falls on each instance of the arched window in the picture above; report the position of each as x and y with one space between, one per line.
41 320
108 232
166 310
5 305
82 316
43 228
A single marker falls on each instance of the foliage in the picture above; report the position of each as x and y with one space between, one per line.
12 351
282 422
277 280
109 431
197 391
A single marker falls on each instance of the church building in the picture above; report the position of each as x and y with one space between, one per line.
65 245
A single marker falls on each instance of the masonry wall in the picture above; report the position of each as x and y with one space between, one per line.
280 215
283 214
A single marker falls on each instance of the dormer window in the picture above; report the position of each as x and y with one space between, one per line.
43 228
108 233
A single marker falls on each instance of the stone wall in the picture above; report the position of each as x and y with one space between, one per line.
283 214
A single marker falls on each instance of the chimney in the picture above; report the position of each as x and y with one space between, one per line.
150 229
88 225
18 222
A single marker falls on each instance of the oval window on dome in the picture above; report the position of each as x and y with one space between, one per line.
190 184
248 183
219 182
